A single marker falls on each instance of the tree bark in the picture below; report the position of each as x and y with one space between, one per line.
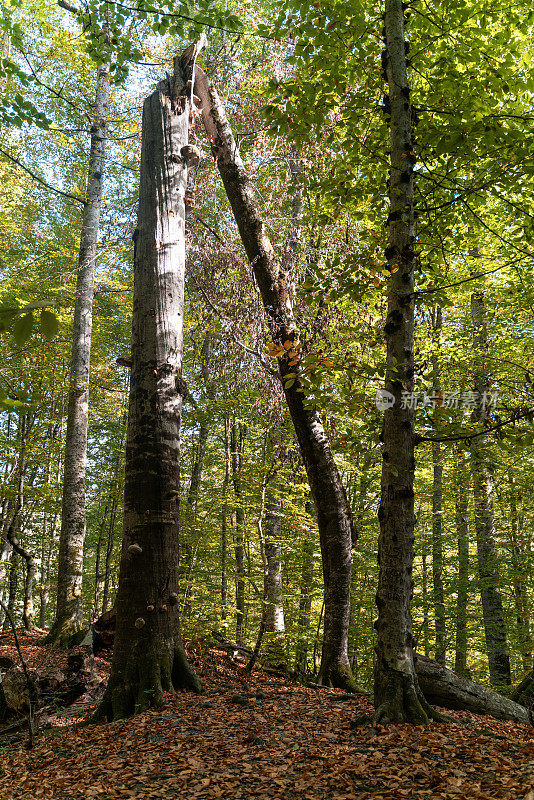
437 508
224 523
488 563
462 532
237 445
442 687
148 656
12 593
522 612
333 512
396 692
305 600
274 640
69 607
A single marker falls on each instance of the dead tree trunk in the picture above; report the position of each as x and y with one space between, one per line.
442 687
148 656
333 512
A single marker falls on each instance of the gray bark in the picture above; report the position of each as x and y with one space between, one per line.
69 607
462 532
237 445
333 512
274 641
224 522
397 695
305 600
522 611
488 563
148 656
437 510
442 687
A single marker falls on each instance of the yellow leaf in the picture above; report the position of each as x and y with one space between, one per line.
288 345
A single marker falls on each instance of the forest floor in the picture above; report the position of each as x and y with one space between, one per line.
262 737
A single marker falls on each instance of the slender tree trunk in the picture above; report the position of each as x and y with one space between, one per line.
148 656
462 533
437 510
333 512
12 594
109 553
305 601
98 561
520 590
224 523
69 607
426 622
237 444
274 641
397 695
488 563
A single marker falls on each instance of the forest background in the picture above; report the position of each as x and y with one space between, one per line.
303 86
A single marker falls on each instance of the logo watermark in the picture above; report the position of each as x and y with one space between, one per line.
452 400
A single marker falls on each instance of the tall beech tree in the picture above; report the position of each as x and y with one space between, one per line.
148 656
69 608
334 517
397 696
488 562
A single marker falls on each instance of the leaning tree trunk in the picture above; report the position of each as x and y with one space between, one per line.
333 512
148 656
69 607
397 696
488 562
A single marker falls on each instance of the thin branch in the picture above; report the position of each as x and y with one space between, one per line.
48 186
470 436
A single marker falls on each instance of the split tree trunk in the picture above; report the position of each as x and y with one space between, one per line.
69 607
488 562
148 656
397 697
333 512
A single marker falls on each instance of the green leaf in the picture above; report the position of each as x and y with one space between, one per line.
49 324
22 329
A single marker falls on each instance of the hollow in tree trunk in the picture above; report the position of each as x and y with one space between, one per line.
148 656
